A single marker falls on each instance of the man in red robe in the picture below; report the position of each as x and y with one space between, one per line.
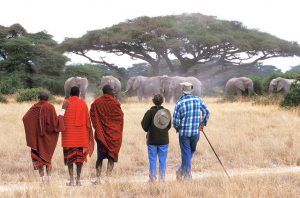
41 128
108 119
77 138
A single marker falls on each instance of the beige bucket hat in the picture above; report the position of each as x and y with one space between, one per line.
162 118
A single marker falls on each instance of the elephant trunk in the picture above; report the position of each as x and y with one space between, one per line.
271 88
127 90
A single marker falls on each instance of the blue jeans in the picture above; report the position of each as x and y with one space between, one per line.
161 151
188 147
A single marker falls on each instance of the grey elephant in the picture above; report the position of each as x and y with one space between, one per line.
280 85
239 86
146 87
80 82
171 88
113 82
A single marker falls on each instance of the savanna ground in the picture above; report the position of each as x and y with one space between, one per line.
246 137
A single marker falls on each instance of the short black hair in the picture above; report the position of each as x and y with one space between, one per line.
107 89
158 99
43 95
74 91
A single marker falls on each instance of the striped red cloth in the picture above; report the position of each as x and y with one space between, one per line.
75 155
78 131
41 128
108 120
38 161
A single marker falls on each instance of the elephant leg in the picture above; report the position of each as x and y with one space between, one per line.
139 95
176 97
83 95
249 92
118 96
168 98
239 92
82 92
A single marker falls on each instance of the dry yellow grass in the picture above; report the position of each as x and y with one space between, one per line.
268 186
244 135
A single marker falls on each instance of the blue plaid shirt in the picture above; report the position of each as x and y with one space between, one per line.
187 115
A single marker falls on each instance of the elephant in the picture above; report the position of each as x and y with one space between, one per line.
280 84
113 82
80 82
171 88
145 86
239 86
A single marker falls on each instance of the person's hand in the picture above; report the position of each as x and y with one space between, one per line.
65 104
201 128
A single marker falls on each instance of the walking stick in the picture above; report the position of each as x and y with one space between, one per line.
215 154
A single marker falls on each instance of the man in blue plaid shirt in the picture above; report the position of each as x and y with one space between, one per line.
187 121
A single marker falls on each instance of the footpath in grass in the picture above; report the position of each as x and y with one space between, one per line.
170 178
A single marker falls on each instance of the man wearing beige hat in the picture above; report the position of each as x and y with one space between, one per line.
157 122
188 122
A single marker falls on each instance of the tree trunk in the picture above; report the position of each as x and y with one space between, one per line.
155 69
169 63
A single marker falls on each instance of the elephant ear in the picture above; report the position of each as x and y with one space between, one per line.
280 85
240 85
136 83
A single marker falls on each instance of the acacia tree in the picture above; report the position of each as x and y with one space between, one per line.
191 38
29 55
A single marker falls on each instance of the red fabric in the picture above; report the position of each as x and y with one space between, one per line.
78 131
75 155
41 128
38 161
108 120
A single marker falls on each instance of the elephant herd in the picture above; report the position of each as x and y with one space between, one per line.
145 87
169 87
244 86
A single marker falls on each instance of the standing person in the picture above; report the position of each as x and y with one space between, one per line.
41 128
108 119
77 139
188 123
157 122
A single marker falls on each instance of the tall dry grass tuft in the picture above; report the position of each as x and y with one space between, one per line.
243 134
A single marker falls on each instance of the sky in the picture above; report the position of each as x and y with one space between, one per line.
72 18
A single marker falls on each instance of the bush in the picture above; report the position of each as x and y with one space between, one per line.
55 86
258 85
31 94
92 72
292 98
10 84
2 99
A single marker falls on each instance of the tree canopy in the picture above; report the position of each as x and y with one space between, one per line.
295 69
192 39
29 55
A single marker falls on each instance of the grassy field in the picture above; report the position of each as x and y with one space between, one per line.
246 136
